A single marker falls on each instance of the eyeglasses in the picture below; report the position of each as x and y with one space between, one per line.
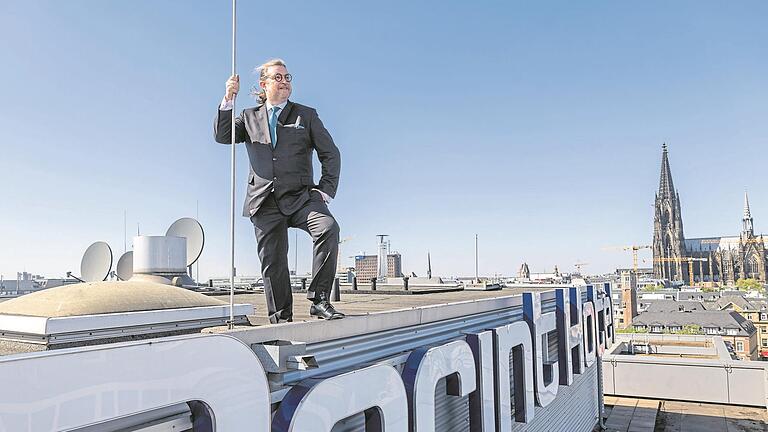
279 77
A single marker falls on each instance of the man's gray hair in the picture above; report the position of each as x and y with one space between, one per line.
261 70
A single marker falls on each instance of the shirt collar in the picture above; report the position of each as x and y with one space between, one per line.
280 105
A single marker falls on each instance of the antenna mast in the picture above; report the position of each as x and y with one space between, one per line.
125 231
429 266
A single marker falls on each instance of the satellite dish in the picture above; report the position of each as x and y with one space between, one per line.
125 266
96 263
190 229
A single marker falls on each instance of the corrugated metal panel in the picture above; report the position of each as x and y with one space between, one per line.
451 412
574 409
355 423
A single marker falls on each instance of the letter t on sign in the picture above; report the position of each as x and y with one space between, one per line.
482 417
576 333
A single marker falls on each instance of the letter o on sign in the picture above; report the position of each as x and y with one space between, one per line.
425 367
316 405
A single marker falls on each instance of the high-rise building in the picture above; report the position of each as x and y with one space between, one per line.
628 298
366 266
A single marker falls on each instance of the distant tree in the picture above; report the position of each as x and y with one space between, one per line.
653 288
749 285
691 329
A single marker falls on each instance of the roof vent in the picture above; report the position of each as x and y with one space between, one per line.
159 255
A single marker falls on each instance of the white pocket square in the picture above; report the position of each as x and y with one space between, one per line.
296 125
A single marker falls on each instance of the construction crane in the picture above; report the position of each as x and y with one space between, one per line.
689 260
579 265
634 249
339 265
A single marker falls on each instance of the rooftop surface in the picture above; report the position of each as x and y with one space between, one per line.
650 415
670 346
361 304
350 304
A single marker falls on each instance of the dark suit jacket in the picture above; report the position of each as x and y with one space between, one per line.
285 170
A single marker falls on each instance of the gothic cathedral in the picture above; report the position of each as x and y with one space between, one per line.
716 260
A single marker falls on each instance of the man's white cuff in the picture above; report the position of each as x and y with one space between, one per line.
226 105
327 198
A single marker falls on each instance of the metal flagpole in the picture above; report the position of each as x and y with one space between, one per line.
477 275
232 163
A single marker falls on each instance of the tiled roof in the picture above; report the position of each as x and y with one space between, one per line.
708 318
674 305
741 302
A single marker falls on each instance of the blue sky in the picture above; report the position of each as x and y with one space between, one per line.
536 125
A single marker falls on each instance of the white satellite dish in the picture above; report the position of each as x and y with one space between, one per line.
190 229
125 266
96 263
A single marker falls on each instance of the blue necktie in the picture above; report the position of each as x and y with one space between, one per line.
273 126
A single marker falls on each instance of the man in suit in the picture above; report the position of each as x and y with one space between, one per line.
280 137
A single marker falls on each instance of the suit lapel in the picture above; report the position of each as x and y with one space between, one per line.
284 114
263 123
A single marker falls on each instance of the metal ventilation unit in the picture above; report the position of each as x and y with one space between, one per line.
165 259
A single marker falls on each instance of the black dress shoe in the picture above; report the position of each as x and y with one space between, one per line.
325 310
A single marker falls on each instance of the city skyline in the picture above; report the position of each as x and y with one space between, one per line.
538 127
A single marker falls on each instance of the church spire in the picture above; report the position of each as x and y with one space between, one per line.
747 214
747 219
668 237
666 188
